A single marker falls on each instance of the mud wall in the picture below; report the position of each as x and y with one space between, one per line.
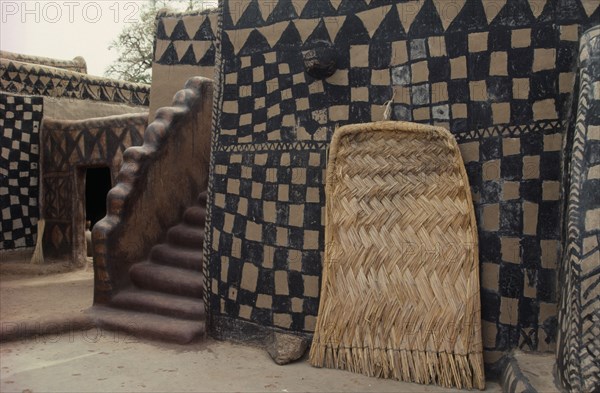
498 74
39 80
184 47
77 64
69 147
69 109
156 183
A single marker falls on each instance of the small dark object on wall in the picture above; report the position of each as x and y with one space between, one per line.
321 62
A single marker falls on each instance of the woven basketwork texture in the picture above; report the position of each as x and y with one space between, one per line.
400 286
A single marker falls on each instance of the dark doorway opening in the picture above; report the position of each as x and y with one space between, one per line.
97 184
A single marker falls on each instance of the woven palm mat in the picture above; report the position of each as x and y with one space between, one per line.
400 290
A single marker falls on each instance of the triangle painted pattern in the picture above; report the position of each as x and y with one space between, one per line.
186 39
31 79
65 146
187 26
265 15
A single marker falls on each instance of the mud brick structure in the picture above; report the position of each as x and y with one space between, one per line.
49 141
516 82
184 47
69 147
499 75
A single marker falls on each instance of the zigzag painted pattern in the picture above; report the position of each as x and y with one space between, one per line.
578 351
218 99
32 79
186 38
249 21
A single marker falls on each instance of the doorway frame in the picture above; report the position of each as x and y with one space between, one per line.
78 249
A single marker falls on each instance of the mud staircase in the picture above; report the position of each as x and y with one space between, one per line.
165 300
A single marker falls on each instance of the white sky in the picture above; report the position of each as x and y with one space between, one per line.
66 29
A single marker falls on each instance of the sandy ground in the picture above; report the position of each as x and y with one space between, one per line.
37 297
95 360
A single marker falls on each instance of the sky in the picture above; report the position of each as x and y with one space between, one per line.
66 29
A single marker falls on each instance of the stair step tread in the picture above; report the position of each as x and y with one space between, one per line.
186 228
169 279
160 303
173 255
195 215
140 324
186 235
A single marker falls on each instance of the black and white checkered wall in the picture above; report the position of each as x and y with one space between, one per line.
20 122
499 74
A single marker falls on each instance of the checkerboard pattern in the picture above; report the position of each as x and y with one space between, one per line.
514 173
291 106
499 75
20 119
267 222
273 94
467 80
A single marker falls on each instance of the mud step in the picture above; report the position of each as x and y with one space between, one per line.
168 279
202 198
159 303
139 324
195 216
185 258
187 236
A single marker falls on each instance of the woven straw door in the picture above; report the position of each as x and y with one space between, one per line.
400 287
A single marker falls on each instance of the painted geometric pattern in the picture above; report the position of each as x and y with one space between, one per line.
76 65
67 145
498 74
267 225
514 173
578 354
58 238
57 195
20 119
186 38
513 379
32 79
88 143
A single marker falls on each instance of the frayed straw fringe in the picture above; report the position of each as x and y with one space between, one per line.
38 254
386 310
439 368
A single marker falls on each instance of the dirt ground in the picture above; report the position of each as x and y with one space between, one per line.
95 360
38 297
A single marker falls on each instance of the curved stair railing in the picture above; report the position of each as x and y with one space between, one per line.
157 182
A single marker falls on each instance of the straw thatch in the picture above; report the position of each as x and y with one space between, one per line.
38 253
400 290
